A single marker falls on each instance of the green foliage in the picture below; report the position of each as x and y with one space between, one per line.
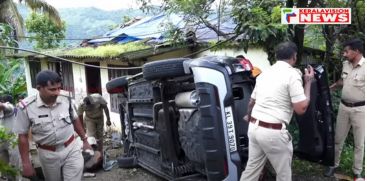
95 22
12 78
347 156
314 37
5 38
126 19
7 138
46 33
173 34
195 8
9 13
260 24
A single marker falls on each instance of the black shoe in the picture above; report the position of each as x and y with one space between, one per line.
329 172
358 176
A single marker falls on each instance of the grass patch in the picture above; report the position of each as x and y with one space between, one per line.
302 167
107 51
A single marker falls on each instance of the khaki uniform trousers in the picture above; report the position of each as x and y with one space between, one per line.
350 117
268 144
94 127
63 164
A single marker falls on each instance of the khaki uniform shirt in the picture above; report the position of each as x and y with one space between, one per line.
353 81
275 91
50 125
95 110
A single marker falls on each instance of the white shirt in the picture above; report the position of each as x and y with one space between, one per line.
275 91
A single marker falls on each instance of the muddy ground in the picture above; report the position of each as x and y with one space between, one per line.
140 174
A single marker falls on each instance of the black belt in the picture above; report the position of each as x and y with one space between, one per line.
356 104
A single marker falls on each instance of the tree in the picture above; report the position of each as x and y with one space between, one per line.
5 38
44 31
259 22
194 11
12 77
12 82
9 14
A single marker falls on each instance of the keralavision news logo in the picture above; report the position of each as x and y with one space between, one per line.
316 15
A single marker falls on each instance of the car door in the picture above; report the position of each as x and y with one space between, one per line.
316 126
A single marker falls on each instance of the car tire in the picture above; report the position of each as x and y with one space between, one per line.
127 162
164 69
117 85
190 134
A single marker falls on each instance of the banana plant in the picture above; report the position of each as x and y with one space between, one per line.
12 78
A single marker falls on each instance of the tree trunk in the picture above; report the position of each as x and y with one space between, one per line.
215 29
299 33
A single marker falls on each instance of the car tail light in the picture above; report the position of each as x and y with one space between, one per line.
246 64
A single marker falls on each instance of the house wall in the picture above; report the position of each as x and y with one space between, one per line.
173 54
79 82
30 90
81 89
115 117
257 56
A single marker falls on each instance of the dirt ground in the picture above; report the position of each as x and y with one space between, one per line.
140 174
116 173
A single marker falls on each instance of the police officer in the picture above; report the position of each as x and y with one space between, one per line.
52 121
351 109
8 153
278 91
93 105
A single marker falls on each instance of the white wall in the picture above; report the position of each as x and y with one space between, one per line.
79 82
257 56
30 90
115 117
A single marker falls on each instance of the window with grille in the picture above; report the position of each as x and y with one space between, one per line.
65 70
34 68
117 99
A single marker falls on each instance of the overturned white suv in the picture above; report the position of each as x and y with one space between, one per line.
183 118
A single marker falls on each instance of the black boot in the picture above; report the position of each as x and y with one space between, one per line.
329 172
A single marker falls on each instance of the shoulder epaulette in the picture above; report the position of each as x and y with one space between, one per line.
26 102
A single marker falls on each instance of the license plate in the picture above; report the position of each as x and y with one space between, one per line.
230 129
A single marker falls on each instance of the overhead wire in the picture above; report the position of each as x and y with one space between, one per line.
109 68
